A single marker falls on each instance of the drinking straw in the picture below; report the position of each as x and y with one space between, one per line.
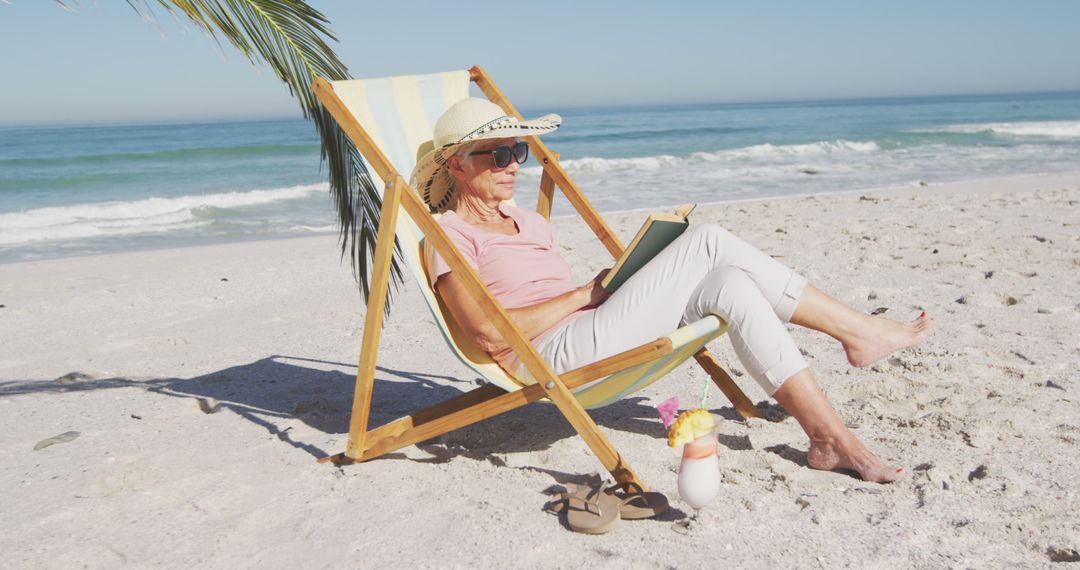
705 393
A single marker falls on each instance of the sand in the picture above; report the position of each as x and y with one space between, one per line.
265 335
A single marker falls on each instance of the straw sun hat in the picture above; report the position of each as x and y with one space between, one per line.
466 121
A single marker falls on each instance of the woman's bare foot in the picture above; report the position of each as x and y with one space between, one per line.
832 445
879 336
827 455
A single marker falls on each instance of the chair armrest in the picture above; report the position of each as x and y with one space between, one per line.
617 363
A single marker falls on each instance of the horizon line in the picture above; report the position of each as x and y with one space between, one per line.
654 105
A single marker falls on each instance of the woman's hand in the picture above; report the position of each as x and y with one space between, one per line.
592 290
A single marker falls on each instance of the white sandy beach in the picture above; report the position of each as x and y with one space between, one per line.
985 415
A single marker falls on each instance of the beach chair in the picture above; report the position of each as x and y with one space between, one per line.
389 119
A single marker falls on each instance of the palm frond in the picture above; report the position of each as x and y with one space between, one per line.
291 37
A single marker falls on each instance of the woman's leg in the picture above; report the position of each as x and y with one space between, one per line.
832 445
699 274
653 301
780 285
865 338
684 283
759 337
768 353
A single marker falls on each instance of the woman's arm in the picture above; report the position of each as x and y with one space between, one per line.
532 320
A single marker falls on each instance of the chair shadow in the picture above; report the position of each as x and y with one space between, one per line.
771 411
275 390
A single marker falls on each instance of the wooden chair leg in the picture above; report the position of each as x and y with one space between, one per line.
369 347
456 404
433 421
720 377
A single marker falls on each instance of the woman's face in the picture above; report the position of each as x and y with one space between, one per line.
476 174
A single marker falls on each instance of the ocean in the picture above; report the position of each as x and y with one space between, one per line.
93 189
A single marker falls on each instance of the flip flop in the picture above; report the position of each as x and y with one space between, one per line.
637 504
588 509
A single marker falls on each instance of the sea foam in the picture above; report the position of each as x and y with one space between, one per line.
1052 129
746 155
145 216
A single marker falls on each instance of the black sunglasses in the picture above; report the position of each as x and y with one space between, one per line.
519 153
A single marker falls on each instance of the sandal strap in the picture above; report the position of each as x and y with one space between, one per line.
628 486
557 503
588 495
589 507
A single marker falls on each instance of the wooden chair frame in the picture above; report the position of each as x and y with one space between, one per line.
488 400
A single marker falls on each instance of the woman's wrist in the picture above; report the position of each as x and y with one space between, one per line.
584 295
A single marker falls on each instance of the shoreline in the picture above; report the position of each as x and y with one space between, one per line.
978 185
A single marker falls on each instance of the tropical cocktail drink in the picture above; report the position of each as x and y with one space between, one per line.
699 472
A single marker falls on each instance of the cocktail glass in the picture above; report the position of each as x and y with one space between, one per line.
699 473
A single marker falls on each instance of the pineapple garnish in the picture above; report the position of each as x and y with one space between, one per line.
689 426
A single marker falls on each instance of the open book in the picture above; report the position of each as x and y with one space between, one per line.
655 234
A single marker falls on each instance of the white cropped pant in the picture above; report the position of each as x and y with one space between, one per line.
706 271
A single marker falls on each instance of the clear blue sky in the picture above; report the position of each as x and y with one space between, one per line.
101 63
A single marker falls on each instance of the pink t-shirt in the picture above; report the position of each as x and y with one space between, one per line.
520 270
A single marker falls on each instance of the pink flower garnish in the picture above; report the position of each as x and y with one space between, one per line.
668 410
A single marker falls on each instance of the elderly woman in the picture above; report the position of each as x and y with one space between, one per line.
470 175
